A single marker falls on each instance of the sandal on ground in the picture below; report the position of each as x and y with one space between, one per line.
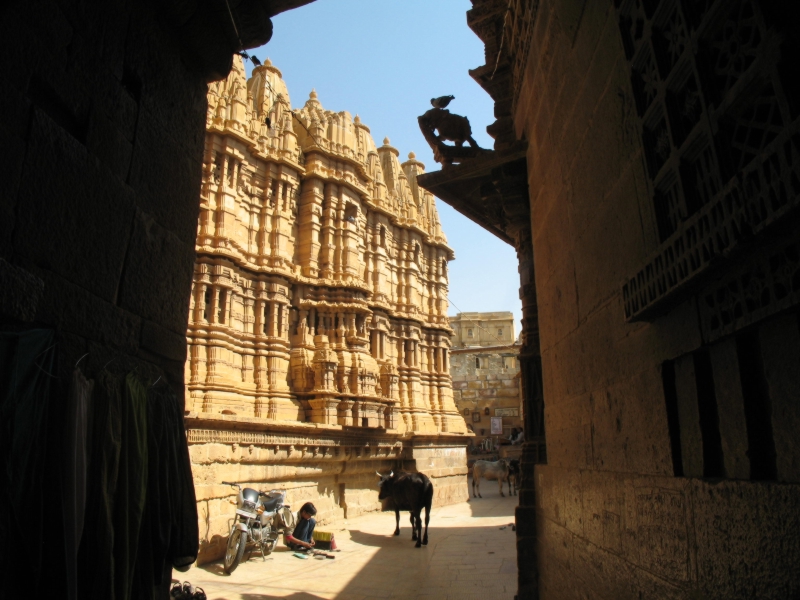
176 591
188 590
199 594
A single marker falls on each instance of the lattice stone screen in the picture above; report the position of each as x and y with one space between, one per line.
722 147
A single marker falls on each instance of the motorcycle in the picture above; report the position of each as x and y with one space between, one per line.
260 518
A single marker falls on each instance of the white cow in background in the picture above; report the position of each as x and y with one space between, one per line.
491 471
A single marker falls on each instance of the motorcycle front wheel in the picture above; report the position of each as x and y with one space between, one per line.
235 550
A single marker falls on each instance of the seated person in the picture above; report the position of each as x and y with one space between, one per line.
302 536
519 439
512 438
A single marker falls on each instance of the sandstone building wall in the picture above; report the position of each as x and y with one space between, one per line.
483 329
651 150
485 372
318 334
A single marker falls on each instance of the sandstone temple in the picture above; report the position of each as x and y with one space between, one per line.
318 333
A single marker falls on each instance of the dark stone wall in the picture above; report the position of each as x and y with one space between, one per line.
101 142
671 441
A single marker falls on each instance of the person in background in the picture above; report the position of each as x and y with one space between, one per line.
513 435
519 439
302 536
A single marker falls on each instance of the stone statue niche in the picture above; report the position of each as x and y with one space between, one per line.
439 125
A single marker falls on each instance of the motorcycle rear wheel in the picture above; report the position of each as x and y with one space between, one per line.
235 550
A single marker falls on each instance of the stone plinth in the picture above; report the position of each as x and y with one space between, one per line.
334 467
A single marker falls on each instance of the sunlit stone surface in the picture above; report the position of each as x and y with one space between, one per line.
318 332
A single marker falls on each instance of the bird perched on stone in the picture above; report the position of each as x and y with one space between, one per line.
441 101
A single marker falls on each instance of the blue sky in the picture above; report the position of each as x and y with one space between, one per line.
384 60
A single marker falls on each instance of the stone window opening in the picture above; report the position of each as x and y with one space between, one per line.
207 307
477 362
469 333
383 236
416 253
351 214
223 297
266 318
279 325
499 332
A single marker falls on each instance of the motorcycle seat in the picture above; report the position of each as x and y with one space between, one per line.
271 504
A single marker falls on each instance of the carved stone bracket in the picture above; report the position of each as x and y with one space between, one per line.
450 127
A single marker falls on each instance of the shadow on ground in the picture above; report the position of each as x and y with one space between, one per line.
471 555
381 541
459 563
296 596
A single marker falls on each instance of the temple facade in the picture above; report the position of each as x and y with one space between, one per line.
318 334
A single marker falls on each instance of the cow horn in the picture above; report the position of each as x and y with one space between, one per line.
391 474
378 474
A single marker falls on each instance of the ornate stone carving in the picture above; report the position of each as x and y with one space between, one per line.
321 274
450 127
723 157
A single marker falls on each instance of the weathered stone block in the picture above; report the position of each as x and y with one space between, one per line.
77 311
76 215
163 342
166 180
507 393
110 145
159 262
20 292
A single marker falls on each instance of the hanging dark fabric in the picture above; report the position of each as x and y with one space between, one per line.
185 536
73 480
27 360
169 534
154 534
129 500
95 556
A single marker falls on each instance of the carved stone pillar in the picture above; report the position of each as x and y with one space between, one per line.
259 325
200 302
248 318
272 327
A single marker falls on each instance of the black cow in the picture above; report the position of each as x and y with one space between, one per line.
411 492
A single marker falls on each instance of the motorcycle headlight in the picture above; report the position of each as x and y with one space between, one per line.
247 505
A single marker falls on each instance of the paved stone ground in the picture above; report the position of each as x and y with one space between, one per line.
468 557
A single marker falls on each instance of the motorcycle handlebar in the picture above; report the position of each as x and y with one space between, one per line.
236 485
